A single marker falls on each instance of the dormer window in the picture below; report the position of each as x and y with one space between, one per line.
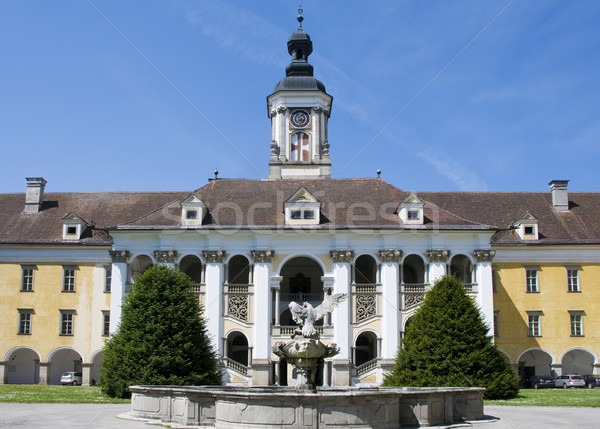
413 214
527 227
73 227
192 211
410 210
302 209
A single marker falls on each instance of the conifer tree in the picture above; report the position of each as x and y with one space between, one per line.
446 344
162 338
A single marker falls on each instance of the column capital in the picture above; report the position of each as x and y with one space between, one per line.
214 256
484 255
393 255
437 255
342 255
165 256
119 255
264 256
275 282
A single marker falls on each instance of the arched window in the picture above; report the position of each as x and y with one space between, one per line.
413 270
365 270
300 147
238 270
460 266
192 266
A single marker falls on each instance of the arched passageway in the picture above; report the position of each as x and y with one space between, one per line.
365 348
22 366
578 361
534 362
61 361
237 348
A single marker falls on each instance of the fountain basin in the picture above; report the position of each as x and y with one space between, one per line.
228 407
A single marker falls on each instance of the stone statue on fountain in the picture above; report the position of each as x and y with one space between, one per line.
305 351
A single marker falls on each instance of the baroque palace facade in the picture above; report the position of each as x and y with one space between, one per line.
531 261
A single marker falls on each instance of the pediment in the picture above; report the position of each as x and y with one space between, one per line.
302 196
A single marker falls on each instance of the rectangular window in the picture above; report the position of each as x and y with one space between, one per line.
494 280
27 278
107 279
191 214
534 325
66 322
68 279
413 214
529 230
309 214
105 323
573 280
71 230
496 333
296 214
576 319
531 279
24 321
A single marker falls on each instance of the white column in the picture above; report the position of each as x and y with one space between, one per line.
485 293
390 278
117 286
316 143
341 317
437 264
262 304
261 332
214 296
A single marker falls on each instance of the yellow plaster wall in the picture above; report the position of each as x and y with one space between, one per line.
88 300
512 302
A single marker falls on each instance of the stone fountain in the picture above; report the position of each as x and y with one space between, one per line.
305 351
305 406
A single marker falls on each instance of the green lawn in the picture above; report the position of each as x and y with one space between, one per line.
554 398
55 394
92 395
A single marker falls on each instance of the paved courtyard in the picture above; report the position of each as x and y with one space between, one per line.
99 416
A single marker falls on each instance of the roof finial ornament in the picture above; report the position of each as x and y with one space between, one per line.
300 17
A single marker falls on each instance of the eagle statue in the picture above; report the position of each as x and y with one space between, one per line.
306 315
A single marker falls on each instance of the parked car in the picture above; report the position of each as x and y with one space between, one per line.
539 381
566 381
73 378
592 381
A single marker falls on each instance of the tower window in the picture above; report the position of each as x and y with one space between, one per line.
300 147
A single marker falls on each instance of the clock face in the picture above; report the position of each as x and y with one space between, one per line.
300 118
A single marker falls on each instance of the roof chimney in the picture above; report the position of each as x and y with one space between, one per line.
560 196
35 194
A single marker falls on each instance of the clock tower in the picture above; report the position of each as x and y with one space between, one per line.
299 109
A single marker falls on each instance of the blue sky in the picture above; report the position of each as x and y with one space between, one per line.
152 95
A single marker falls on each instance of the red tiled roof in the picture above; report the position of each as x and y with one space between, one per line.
368 203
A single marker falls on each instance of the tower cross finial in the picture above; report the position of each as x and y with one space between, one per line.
300 17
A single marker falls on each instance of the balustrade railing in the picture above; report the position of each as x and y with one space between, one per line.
302 297
236 366
197 287
366 367
286 331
